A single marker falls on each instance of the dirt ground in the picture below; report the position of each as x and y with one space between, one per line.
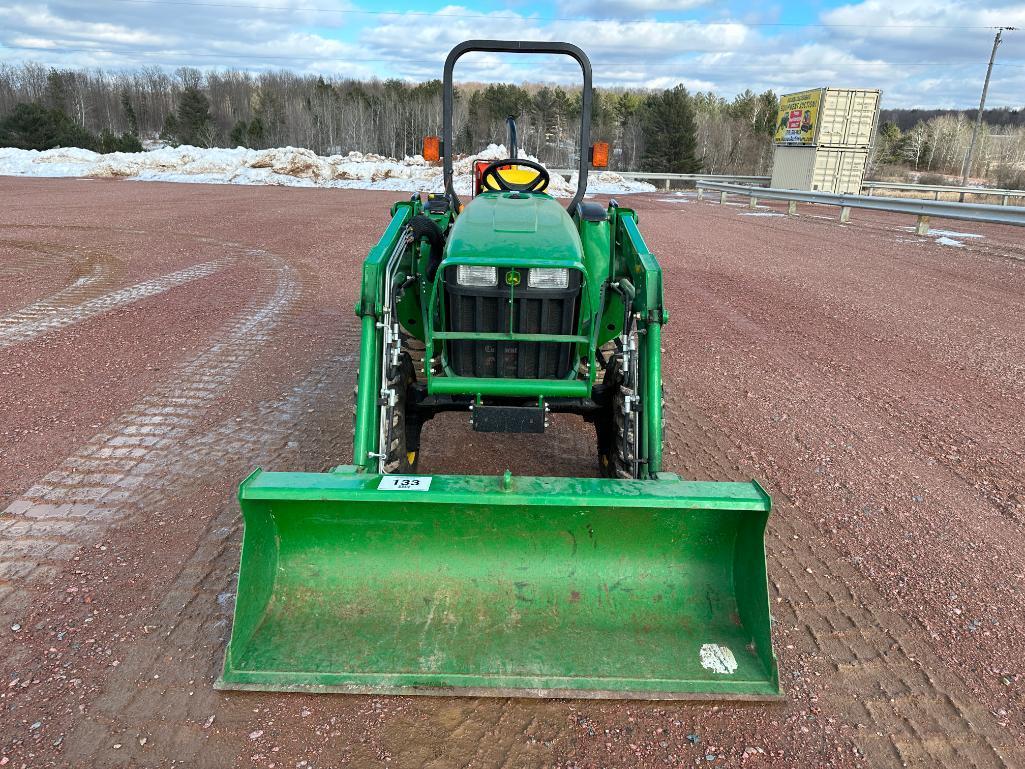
158 341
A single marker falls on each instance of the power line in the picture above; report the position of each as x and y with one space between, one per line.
497 17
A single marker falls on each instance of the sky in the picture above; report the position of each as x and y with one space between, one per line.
921 53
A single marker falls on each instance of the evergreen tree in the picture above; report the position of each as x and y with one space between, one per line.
169 133
238 136
670 136
58 91
269 119
256 135
130 116
889 143
129 143
194 126
32 126
111 142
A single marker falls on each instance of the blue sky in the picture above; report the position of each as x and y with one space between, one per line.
927 53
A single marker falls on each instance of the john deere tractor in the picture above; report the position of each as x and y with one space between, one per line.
509 307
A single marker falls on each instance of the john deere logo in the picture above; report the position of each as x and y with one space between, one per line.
512 278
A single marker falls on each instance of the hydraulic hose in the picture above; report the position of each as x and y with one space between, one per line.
423 227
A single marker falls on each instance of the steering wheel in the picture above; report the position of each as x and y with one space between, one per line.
539 182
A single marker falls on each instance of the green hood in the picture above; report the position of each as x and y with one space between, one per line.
515 228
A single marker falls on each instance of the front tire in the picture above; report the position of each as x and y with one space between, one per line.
617 437
399 456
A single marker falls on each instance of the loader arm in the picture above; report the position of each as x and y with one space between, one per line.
370 309
642 283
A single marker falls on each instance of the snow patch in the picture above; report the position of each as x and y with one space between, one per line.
947 233
284 166
946 237
954 234
761 213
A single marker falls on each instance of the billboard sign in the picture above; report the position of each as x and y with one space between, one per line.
798 118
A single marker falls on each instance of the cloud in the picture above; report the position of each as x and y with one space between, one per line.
942 30
129 35
601 10
640 53
919 52
40 19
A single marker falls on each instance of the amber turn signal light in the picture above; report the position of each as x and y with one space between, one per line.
432 149
600 155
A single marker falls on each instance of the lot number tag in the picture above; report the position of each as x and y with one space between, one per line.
405 483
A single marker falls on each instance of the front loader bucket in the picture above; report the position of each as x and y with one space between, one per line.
550 587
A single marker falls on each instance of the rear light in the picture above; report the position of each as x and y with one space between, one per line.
471 275
548 277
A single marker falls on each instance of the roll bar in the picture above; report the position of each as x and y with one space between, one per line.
516 46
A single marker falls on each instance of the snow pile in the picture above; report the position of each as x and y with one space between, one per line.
287 166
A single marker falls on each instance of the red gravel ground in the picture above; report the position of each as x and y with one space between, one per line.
873 380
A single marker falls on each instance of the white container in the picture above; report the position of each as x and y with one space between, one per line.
825 169
830 117
848 117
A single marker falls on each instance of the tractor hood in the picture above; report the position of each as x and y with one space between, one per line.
515 228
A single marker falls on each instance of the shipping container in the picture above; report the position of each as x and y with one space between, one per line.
828 117
826 169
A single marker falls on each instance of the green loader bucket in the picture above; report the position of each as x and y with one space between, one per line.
544 587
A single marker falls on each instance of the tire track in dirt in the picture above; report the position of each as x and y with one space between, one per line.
37 256
893 435
174 692
89 271
33 259
72 505
52 314
887 678
154 691
940 416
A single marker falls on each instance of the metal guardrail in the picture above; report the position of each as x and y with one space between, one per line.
937 189
670 178
923 209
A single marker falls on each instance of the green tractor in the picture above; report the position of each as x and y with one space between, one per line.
373 578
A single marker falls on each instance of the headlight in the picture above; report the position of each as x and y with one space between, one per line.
548 277
471 275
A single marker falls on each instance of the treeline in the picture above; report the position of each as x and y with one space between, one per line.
905 119
670 130
939 146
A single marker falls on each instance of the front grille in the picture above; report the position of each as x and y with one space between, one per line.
535 311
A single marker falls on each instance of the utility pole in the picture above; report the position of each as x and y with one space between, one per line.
982 105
